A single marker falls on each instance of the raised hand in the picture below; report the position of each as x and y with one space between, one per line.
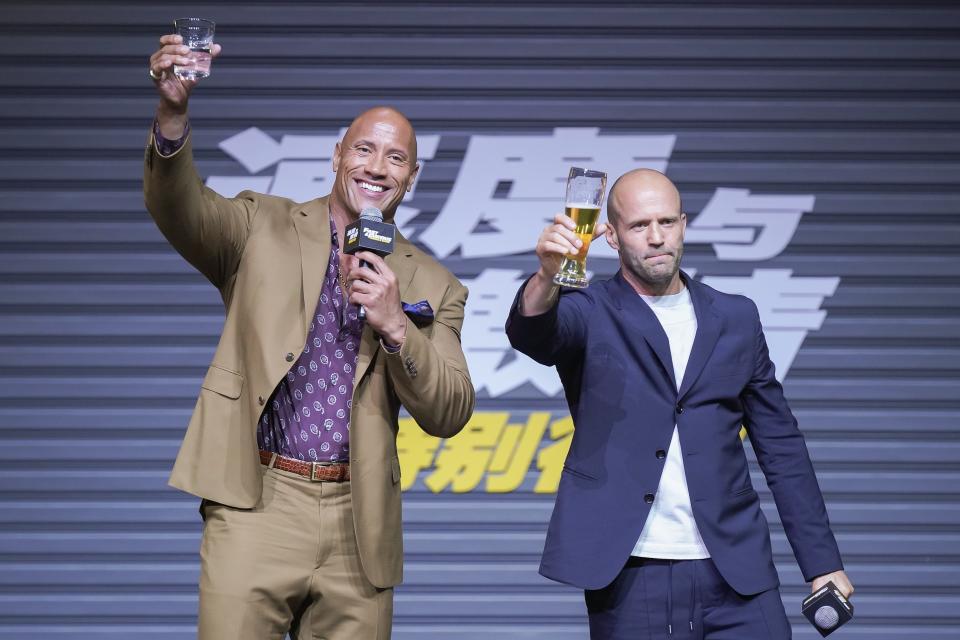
174 92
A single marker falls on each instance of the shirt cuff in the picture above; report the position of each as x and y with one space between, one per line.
390 349
167 147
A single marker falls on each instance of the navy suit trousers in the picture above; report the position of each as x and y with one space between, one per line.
681 600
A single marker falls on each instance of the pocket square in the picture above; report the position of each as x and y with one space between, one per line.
420 313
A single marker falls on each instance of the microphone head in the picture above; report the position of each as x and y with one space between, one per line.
826 617
372 213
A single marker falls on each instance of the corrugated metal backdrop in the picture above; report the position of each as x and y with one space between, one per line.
105 332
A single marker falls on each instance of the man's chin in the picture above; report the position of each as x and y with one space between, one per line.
387 208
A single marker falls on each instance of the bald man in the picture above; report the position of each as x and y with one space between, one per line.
656 518
292 444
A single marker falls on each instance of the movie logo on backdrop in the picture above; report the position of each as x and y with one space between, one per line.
507 188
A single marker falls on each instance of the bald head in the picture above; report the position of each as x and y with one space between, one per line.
375 163
638 186
384 119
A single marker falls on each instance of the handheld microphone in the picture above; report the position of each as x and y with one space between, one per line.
369 233
827 609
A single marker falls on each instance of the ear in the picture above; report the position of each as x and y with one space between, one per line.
683 225
413 177
612 239
336 157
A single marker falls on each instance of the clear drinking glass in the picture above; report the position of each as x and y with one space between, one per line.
197 33
585 191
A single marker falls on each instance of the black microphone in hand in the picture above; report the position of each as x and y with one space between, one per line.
827 609
369 233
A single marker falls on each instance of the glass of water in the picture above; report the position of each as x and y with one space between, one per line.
197 34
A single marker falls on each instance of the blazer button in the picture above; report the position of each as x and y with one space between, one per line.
648 498
679 408
260 400
289 357
661 454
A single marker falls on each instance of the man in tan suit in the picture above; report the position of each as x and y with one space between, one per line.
292 444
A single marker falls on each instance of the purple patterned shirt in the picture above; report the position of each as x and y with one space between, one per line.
308 415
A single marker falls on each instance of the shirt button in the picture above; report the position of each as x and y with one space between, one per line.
661 454
679 408
648 498
289 357
260 400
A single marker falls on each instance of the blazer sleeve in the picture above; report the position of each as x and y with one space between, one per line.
429 373
556 334
782 453
208 230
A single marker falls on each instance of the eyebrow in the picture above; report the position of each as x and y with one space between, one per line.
373 144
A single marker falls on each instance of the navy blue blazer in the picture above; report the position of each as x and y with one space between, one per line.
613 358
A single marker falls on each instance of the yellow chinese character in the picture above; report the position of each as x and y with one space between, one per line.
464 458
515 453
415 448
550 459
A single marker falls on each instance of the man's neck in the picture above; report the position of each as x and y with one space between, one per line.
340 216
672 286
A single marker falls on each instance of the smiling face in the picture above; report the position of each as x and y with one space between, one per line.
375 163
646 229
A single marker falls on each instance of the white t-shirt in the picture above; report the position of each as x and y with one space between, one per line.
670 531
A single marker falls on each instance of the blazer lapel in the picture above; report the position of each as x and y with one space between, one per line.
627 299
402 264
708 331
312 222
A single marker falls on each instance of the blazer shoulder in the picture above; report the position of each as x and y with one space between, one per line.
266 202
730 303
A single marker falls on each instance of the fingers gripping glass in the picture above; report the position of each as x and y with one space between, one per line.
585 190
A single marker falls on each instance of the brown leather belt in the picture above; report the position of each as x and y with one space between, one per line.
312 471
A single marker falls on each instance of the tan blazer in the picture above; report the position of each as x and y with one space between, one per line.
267 256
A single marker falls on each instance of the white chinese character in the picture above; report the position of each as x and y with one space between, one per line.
509 187
494 365
304 166
742 226
789 307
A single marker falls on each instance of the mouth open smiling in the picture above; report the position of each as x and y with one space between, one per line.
370 187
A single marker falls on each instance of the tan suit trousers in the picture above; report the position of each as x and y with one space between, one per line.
290 564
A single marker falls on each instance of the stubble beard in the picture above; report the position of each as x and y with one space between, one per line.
658 277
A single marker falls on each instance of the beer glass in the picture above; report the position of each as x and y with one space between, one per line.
585 191
197 34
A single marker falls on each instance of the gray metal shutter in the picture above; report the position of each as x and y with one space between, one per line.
105 331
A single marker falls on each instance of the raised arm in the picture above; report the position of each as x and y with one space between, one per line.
209 230
541 325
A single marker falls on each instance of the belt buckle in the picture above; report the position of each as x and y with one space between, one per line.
314 469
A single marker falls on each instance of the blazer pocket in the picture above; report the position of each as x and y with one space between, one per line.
223 382
578 473
746 491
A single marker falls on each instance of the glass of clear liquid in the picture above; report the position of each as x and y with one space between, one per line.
197 33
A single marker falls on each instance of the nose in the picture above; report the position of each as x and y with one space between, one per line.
375 166
655 237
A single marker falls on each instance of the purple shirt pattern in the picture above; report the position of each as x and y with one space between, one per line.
308 415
